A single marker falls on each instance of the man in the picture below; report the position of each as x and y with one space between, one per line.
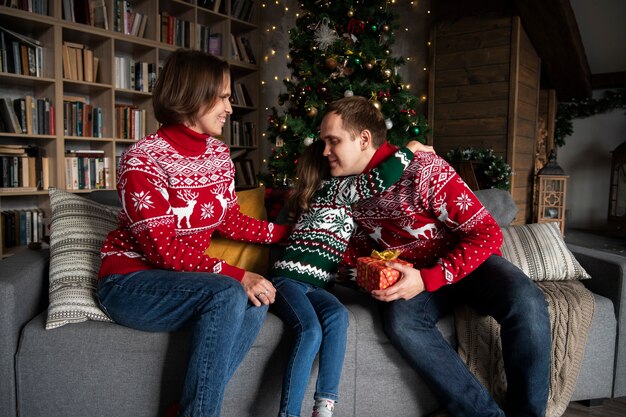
454 243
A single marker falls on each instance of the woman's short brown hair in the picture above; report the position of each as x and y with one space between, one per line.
189 80
357 114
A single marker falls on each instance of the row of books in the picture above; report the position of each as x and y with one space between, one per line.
131 75
81 118
87 12
87 170
20 54
130 122
242 49
210 42
33 6
242 133
23 168
79 63
244 173
29 115
127 21
242 9
174 31
20 227
239 95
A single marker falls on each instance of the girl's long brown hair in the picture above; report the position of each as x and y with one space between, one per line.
312 169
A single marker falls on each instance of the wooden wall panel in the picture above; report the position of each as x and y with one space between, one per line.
484 90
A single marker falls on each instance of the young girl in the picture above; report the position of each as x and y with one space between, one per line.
314 249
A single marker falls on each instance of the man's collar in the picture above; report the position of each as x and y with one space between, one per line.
382 153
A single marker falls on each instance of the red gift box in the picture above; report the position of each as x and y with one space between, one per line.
372 272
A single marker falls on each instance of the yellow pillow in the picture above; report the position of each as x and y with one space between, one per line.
252 257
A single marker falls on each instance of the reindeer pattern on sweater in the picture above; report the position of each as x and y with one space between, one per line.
175 194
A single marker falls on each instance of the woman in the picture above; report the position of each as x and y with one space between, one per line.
177 187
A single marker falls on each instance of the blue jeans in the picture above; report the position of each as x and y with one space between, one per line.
216 309
319 322
498 289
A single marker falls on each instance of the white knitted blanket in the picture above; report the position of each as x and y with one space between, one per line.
571 308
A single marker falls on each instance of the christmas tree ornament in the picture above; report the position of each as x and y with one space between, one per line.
284 127
369 66
325 36
311 111
308 141
348 93
279 142
350 12
388 124
415 130
387 73
377 104
331 62
385 28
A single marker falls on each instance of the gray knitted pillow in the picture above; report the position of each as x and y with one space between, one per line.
539 251
77 230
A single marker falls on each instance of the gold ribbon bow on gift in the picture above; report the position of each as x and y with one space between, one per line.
386 255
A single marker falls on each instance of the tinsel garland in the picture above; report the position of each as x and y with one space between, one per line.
496 170
578 109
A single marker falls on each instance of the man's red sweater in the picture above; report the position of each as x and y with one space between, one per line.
177 188
431 216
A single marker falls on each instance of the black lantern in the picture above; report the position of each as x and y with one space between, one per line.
617 194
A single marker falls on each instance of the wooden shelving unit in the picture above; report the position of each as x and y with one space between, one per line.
193 22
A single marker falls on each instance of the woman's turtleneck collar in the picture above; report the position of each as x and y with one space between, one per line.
184 140
382 153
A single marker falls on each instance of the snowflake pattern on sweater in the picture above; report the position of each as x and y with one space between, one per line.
177 188
432 217
320 236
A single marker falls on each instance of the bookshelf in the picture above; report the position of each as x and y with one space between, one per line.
89 72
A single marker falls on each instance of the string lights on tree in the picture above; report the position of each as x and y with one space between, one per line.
337 49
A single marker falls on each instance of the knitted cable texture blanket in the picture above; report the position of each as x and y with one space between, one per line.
571 308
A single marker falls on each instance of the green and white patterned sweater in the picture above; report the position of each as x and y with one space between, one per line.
320 236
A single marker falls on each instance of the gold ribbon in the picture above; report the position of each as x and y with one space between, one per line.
386 255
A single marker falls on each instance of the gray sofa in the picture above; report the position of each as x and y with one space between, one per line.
103 369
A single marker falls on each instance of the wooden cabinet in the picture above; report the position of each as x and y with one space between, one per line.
95 70
484 85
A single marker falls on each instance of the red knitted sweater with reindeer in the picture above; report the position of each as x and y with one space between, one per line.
431 216
177 188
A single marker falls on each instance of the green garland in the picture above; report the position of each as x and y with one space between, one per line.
497 172
576 109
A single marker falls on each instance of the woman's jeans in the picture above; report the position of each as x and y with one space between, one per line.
216 309
319 322
498 289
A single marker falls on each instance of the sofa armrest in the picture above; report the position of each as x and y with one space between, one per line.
23 295
608 272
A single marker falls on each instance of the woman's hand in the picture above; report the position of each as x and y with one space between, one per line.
415 146
259 290
408 286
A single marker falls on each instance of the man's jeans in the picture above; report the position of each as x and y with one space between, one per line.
496 288
319 322
216 309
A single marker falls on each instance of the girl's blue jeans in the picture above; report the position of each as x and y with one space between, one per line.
319 322
498 289
216 309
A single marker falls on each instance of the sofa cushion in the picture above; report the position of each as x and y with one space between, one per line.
78 228
539 251
249 256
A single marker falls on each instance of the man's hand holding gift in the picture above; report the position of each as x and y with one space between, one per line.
388 278
408 285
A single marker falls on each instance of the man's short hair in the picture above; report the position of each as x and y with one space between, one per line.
358 114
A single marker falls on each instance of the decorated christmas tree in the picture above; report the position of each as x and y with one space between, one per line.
337 49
